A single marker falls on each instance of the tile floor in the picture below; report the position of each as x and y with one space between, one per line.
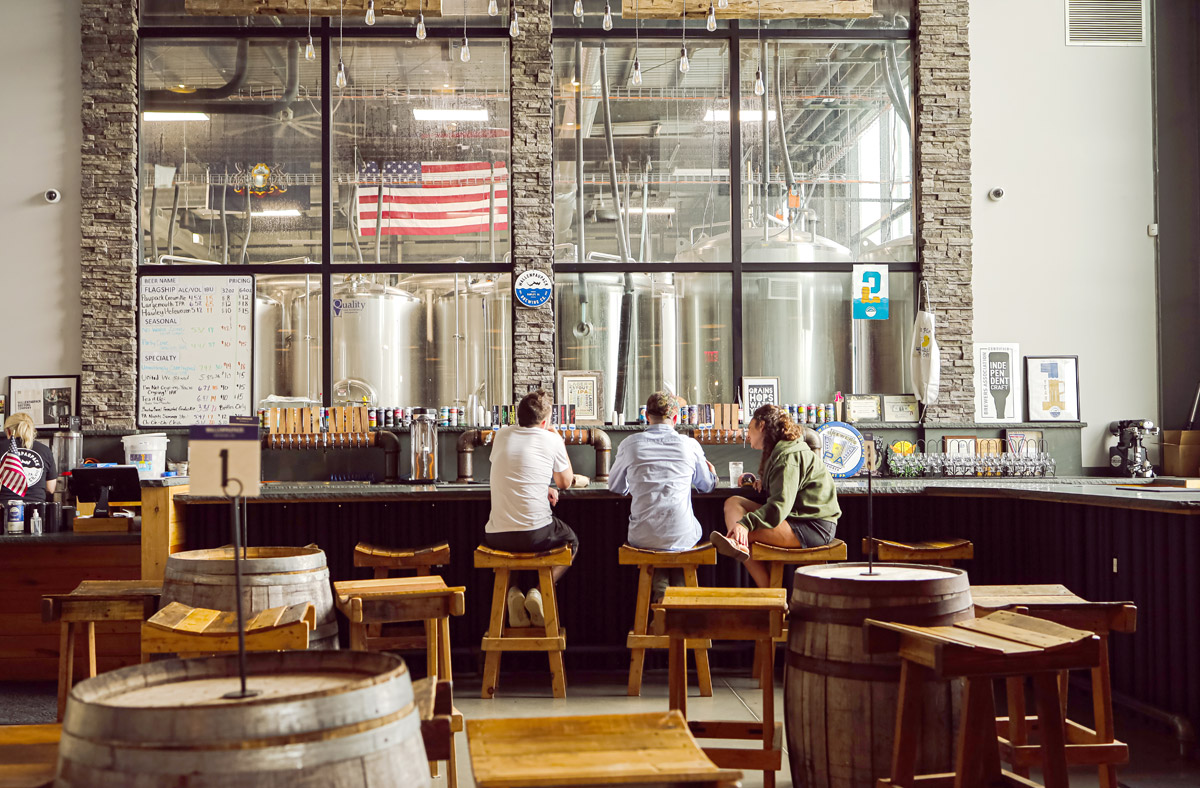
1155 759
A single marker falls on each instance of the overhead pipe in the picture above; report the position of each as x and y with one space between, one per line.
169 98
584 328
171 224
153 211
291 91
597 439
766 146
245 260
894 85
224 219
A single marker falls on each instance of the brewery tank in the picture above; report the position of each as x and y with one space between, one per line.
470 348
269 347
882 347
283 348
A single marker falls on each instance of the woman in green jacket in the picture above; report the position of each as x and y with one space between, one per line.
801 508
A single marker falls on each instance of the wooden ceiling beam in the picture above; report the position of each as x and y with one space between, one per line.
351 8
748 9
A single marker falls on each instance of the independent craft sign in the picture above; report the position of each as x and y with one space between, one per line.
533 289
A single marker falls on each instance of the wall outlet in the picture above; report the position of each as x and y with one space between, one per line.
1152 229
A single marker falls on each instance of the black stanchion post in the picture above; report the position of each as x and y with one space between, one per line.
236 502
869 460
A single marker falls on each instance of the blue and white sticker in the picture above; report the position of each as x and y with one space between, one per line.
841 449
870 292
533 289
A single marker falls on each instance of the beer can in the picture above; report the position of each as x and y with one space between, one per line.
641 414
791 412
829 412
820 413
444 416
373 418
397 418
14 517
452 420
389 417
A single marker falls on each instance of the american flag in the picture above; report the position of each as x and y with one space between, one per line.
12 474
431 198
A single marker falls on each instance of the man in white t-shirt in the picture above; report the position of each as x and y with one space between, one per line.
525 460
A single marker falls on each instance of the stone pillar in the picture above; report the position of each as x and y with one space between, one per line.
108 253
531 198
943 164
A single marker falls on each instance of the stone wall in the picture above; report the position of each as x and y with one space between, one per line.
531 197
108 217
943 164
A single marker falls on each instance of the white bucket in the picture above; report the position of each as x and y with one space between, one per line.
148 452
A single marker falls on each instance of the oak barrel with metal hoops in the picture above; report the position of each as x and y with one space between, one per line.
344 718
840 702
271 577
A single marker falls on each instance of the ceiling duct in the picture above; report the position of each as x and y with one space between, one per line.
216 101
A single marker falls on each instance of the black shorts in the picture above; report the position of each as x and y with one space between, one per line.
539 540
813 533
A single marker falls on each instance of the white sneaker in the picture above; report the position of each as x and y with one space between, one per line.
517 617
533 604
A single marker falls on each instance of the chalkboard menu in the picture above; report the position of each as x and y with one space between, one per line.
195 349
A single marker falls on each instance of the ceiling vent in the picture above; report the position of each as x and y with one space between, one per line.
1111 23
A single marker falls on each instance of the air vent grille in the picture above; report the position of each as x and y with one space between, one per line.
1106 22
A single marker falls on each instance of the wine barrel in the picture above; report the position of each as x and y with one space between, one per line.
345 718
271 577
840 702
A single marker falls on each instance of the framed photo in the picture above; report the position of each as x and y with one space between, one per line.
1052 383
959 445
1023 441
585 391
997 382
46 399
901 409
863 407
757 392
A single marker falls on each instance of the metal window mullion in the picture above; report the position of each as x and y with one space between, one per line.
735 198
326 213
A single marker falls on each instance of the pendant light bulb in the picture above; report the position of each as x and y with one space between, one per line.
711 23
370 12
607 23
578 9
421 28
493 8
636 77
340 80
310 52
760 87
722 3
684 65
465 53
514 29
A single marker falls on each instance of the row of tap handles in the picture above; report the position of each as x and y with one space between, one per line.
709 435
321 440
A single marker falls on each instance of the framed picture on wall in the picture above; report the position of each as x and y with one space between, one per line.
585 390
1052 383
997 382
45 399
1024 441
757 392
959 445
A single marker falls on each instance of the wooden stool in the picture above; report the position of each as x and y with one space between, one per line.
196 631
935 552
628 749
727 614
369 604
777 558
383 560
92 601
439 722
638 641
981 650
1085 746
28 755
551 638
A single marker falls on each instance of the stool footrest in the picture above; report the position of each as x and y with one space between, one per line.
525 642
660 641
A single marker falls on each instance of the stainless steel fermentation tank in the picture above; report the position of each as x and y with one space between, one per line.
427 341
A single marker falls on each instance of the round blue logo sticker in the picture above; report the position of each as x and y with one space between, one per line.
533 288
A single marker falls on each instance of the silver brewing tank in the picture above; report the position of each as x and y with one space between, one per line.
471 352
287 339
269 347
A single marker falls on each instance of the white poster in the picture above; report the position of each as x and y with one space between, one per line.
997 382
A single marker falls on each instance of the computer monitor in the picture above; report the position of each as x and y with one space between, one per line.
101 485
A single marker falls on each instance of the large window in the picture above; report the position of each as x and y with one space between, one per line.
373 214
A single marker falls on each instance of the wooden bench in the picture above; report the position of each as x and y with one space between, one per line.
1085 746
980 650
727 614
551 638
653 749
90 602
439 722
196 631
369 604
638 640
935 552
28 755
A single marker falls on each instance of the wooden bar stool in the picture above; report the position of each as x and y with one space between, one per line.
369 604
90 602
980 650
655 749
638 640
196 631
727 614
28 755
551 638
934 552
439 722
777 558
418 560
1085 746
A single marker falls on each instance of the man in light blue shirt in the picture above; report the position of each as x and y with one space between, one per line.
658 468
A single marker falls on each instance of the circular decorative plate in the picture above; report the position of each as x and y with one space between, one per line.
841 448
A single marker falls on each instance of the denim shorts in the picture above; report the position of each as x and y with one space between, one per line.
813 533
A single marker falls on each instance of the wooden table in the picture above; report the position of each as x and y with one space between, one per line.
439 722
614 749
28 755
92 601
754 614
